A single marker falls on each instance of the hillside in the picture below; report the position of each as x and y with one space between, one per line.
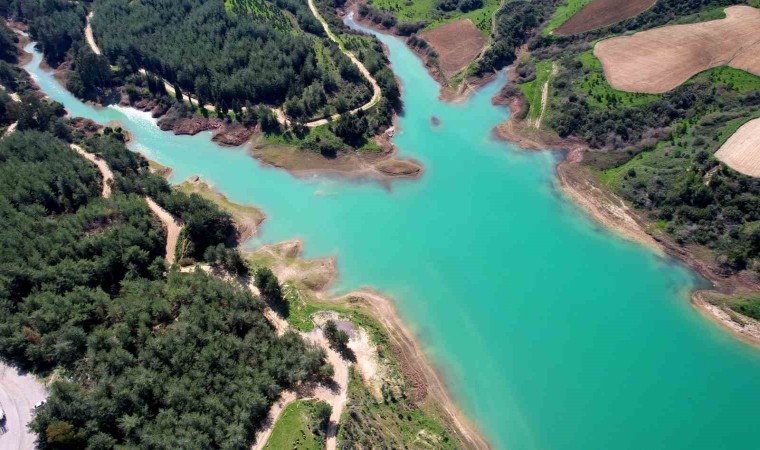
656 151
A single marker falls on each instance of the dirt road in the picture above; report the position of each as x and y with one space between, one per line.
172 225
18 395
105 171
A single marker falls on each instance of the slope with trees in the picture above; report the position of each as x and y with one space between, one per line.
144 359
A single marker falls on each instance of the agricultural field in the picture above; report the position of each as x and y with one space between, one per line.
302 425
658 60
588 16
456 43
598 91
563 13
741 151
416 10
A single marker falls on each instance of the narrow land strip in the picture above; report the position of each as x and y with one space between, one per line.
19 393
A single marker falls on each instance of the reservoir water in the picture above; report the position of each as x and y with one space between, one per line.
551 332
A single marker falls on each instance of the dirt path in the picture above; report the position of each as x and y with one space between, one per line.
105 171
545 95
11 128
18 395
90 37
412 356
172 225
376 93
281 117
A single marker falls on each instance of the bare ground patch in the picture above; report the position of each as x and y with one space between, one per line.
457 43
658 60
600 13
741 151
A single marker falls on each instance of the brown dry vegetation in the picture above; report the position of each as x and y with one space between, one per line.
457 43
658 60
600 13
741 151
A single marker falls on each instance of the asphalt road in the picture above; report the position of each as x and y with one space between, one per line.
18 394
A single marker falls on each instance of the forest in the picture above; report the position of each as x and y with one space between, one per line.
144 356
228 56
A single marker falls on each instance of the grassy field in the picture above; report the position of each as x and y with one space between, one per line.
534 89
294 428
594 85
414 10
404 424
563 13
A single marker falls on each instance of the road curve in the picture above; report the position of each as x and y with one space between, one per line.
281 117
105 171
172 225
376 92
18 395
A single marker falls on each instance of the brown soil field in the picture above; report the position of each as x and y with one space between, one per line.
457 43
600 13
658 60
741 151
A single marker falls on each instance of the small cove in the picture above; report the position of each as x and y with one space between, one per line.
552 333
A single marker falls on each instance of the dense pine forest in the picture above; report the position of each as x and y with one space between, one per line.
142 356
233 54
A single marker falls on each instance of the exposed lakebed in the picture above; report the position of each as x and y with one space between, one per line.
551 332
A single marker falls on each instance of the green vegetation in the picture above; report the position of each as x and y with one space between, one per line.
302 425
147 359
533 89
403 423
597 90
747 305
337 338
656 150
563 13
231 59
432 13
516 22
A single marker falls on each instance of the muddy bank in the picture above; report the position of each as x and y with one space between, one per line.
314 276
604 206
745 328
379 165
247 218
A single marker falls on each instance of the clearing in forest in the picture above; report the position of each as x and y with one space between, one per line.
600 13
457 44
658 60
741 151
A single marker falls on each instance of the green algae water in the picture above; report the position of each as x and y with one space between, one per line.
551 332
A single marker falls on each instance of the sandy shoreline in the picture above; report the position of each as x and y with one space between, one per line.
612 212
427 382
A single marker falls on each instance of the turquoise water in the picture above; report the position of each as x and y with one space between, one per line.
551 332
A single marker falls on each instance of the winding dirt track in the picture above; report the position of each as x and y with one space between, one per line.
376 93
172 225
105 171
281 117
336 396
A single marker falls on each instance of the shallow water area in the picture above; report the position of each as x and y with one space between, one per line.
551 332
